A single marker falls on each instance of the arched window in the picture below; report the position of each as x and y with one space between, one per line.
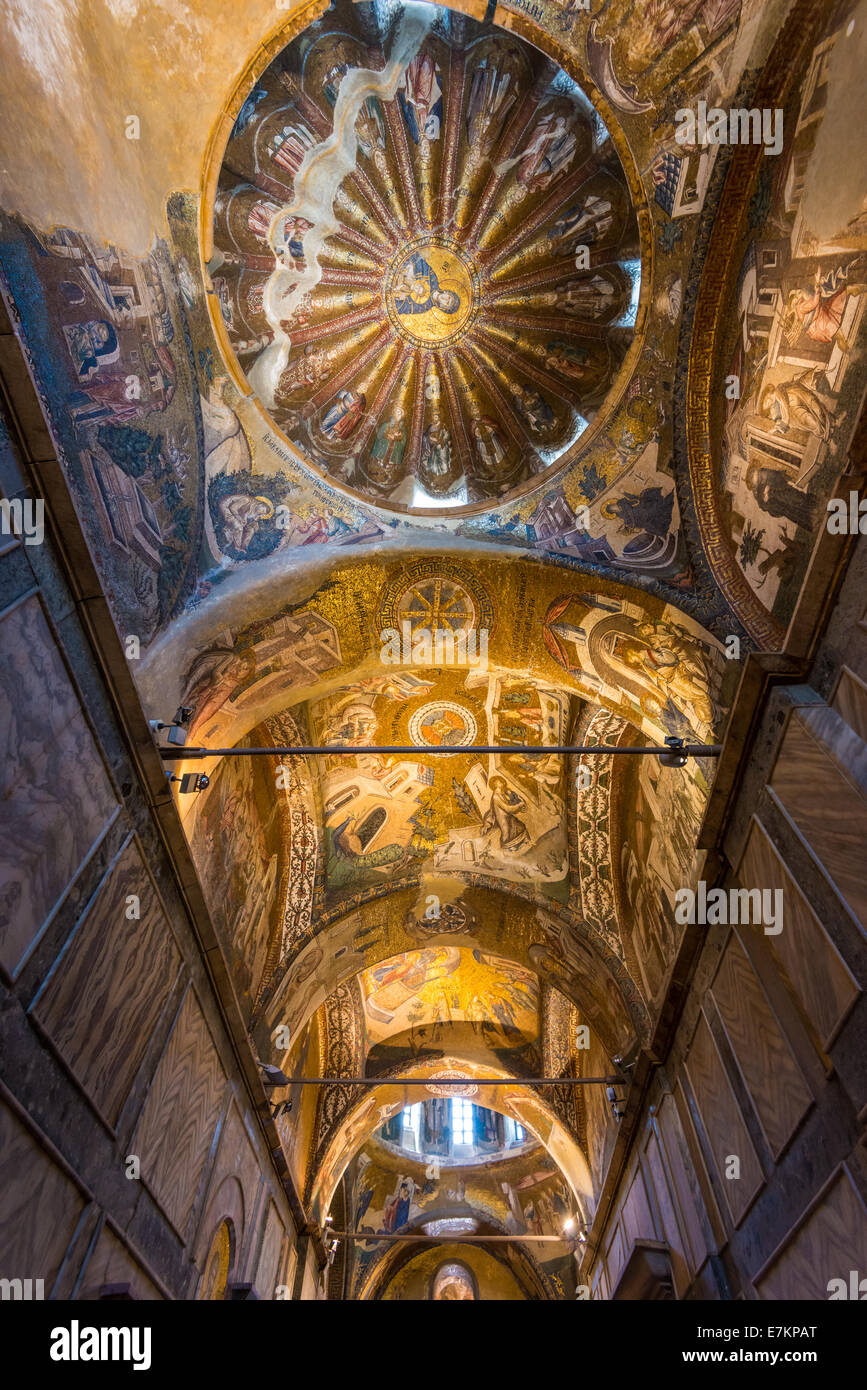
462 1122
513 1132
453 1281
218 1264
370 825
411 1129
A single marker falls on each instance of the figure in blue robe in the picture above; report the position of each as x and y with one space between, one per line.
423 290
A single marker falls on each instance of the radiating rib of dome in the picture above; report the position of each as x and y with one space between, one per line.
455 344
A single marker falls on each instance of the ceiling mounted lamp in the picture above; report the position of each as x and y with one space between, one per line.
616 1102
190 782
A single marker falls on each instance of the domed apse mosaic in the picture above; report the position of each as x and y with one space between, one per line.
425 255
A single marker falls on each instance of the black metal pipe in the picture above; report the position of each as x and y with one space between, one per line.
445 1237
454 1081
170 753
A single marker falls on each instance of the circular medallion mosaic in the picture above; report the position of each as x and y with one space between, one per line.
432 293
436 594
442 724
471 1089
433 300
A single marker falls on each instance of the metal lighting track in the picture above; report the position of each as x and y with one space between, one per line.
445 1238
171 753
453 1081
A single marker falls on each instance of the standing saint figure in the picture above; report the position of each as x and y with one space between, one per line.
488 445
492 95
344 415
532 407
387 453
420 97
436 448
551 148
586 221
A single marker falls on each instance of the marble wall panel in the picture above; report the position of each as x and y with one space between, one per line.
41 1205
803 950
778 1090
177 1123
826 1246
55 795
723 1122
110 985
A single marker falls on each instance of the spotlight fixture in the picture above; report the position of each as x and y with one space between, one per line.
615 1102
676 757
272 1077
191 781
569 1225
177 733
283 1107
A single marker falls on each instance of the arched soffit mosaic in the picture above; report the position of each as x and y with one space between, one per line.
776 368
425 256
448 997
567 955
370 1107
488 1266
354 823
443 1000
526 1197
263 645
379 1267
452 1001
488 818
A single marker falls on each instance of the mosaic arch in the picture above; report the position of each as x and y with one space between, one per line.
564 954
524 1195
511 1276
777 366
351 831
424 256
370 1109
450 1020
270 640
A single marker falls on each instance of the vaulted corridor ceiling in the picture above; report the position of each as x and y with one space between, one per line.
436 426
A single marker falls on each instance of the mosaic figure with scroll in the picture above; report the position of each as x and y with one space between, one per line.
422 290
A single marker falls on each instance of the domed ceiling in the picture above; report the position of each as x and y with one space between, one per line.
425 256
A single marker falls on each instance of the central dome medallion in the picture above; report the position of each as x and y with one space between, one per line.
425 255
433 291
